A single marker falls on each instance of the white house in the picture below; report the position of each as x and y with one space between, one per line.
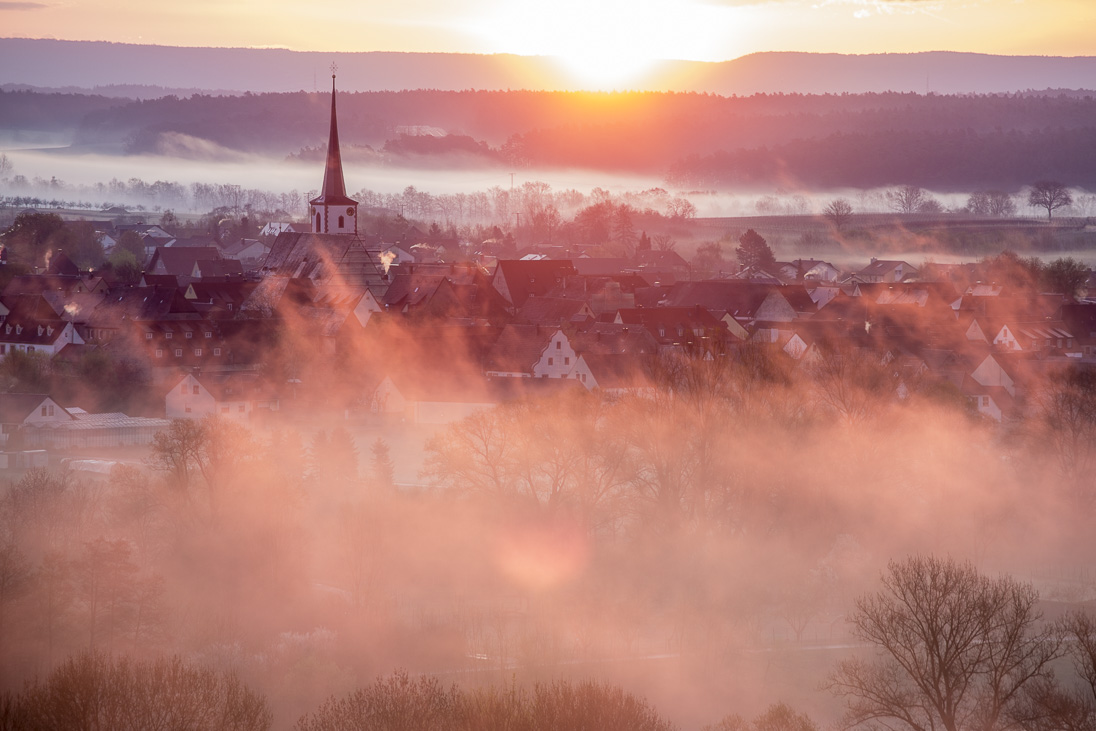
234 397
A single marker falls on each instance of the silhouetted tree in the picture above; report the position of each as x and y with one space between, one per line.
709 257
955 648
839 212
1065 276
994 203
754 252
906 199
1049 194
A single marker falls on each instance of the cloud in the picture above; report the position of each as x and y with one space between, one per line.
22 6
885 7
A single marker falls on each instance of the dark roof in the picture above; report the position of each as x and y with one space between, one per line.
325 257
180 261
141 303
740 299
219 268
517 280
551 310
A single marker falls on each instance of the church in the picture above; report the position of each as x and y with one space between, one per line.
334 252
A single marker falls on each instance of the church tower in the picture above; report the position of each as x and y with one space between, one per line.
333 211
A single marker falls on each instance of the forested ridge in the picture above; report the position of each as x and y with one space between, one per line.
856 140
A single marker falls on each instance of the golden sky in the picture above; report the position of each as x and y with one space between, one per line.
616 37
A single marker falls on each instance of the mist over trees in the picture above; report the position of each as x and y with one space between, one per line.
821 141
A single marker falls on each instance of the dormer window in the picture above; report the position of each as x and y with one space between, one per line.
18 329
189 335
167 336
49 330
40 330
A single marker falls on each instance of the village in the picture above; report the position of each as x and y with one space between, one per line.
321 319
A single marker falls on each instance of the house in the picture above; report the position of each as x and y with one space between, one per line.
22 410
885 270
692 330
32 325
518 280
249 252
613 374
237 396
180 261
813 270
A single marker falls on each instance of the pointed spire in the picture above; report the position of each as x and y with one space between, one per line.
334 186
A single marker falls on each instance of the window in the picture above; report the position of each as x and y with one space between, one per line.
224 409
167 336
30 348
189 335
985 401
51 410
208 333
559 344
198 351
159 352
341 224
148 336
196 390
317 222
43 411
566 360
178 352
3 349
550 361
188 408
216 351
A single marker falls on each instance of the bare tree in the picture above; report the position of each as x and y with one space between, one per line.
838 211
907 199
993 203
954 649
1049 194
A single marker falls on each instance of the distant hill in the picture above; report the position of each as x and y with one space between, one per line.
84 65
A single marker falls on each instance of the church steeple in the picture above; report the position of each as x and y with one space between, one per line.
333 212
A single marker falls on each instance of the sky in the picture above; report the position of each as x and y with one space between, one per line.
606 39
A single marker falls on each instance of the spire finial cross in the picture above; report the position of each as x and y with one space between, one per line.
334 68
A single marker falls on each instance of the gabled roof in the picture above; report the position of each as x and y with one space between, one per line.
15 407
218 268
518 280
141 303
325 257
180 261
617 370
518 348
740 299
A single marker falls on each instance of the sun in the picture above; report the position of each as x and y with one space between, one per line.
604 44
